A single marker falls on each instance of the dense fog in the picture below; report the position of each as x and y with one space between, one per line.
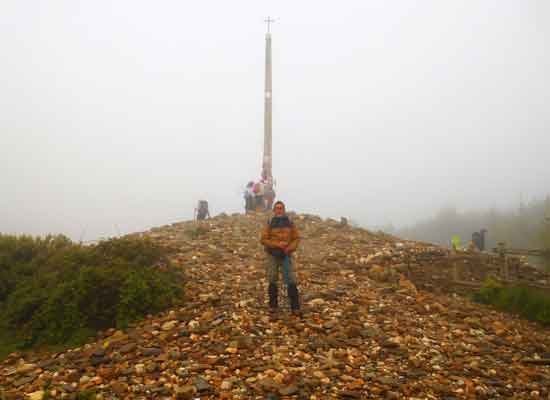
119 116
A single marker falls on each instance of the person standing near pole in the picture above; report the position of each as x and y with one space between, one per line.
259 192
280 239
249 198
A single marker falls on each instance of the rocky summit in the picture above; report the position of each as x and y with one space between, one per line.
368 330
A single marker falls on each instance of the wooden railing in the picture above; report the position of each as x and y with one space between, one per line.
468 271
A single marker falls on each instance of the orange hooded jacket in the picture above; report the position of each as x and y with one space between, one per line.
280 233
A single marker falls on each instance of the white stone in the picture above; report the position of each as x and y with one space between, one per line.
167 326
36 395
226 385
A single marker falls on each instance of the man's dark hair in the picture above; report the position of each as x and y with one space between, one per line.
279 202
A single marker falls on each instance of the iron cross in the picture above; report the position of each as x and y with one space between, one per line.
269 21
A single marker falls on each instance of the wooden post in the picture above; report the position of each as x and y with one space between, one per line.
505 269
267 172
455 271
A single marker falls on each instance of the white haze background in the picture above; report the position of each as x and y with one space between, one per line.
118 116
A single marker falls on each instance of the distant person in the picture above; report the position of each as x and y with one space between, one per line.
456 243
280 238
259 192
479 239
476 240
202 212
249 201
482 241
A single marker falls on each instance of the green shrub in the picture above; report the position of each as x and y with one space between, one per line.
140 252
143 293
60 292
527 302
85 395
196 232
21 257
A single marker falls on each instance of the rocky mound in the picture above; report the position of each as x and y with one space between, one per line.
367 332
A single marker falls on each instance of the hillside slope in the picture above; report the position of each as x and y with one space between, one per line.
363 335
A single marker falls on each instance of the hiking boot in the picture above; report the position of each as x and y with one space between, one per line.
293 296
273 292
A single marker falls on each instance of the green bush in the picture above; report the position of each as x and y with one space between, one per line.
58 292
21 256
527 302
142 293
85 395
196 232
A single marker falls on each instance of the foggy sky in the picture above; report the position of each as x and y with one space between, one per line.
118 116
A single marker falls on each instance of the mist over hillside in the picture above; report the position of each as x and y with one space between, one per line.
527 226
119 116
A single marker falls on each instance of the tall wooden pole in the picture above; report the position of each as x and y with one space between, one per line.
267 172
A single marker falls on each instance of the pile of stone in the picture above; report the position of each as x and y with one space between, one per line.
367 330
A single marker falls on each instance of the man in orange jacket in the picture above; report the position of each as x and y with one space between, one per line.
280 238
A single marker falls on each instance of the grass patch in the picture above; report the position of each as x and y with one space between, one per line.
8 344
196 232
527 302
86 395
56 292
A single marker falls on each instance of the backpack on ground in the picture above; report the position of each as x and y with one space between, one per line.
202 209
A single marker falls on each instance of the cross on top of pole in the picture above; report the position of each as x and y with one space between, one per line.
269 21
